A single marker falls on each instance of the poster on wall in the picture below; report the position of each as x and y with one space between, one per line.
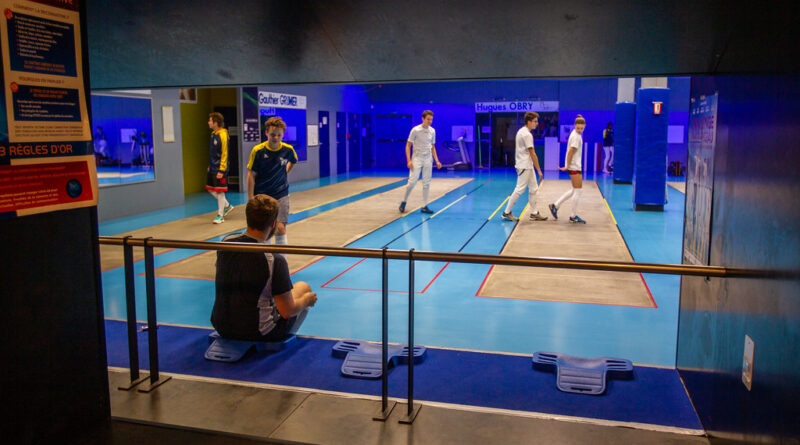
700 179
46 155
250 129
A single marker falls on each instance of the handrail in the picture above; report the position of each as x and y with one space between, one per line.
453 257
385 255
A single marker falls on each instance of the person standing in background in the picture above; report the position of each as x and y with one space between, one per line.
217 177
608 148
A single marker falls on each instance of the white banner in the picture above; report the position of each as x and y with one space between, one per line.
516 106
281 100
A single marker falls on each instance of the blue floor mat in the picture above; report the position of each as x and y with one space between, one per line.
655 396
363 359
581 375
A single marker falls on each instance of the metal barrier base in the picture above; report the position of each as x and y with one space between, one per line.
133 383
408 419
382 415
156 384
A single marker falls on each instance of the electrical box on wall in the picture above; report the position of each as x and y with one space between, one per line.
747 362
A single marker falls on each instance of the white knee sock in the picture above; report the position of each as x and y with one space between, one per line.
575 200
281 239
425 191
221 203
564 197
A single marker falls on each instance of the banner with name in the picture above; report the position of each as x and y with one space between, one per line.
700 179
516 106
281 100
46 156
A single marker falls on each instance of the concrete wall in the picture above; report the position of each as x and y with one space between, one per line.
131 42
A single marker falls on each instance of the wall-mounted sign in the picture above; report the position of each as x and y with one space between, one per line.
516 106
700 179
46 155
281 100
657 107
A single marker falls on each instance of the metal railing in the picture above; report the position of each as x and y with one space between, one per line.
385 255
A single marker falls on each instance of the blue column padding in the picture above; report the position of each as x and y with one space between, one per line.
624 132
650 149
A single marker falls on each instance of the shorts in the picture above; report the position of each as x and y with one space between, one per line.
574 172
215 184
284 328
283 210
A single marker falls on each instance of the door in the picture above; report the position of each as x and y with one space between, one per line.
324 144
504 130
367 160
341 142
391 134
354 141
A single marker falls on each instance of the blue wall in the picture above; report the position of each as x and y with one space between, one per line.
753 225
114 113
453 102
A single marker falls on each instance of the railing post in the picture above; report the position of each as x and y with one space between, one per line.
386 407
152 324
412 411
130 302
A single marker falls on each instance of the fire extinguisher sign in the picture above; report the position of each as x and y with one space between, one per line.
657 107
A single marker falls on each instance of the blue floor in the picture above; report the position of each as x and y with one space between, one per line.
653 396
448 314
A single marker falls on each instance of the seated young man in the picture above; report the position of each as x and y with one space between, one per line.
255 299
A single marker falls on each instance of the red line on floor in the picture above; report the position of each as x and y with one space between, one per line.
344 272
563 301
437 276
484 281
136 261
655 306
182 260
378 290
298 270
370 290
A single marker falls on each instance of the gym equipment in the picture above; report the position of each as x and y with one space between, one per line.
362 359
227 350
582 375
458 147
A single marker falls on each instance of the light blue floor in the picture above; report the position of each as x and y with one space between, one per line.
448 314
124 175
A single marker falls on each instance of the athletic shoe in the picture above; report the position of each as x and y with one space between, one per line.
509 217
554 211
228 209
426 210
538 217
218 220
576 219
403 207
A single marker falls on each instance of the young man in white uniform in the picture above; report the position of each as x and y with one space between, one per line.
573 166
423 138
526 161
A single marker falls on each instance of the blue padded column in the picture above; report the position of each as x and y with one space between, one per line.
624 132
650 152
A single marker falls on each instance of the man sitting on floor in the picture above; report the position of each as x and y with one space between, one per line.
255 299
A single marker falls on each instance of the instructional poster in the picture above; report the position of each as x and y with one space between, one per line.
700 179
46 156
